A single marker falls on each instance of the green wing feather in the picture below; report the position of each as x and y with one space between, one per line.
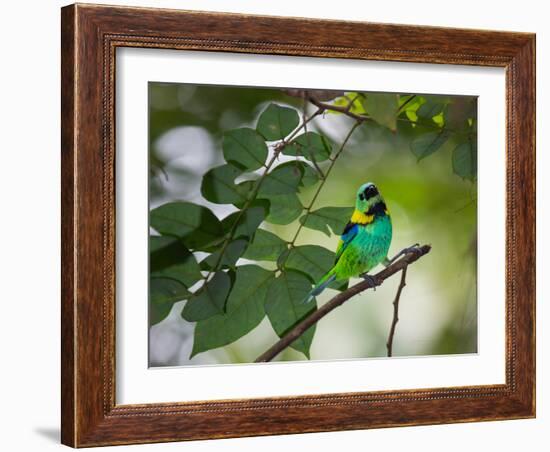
350 231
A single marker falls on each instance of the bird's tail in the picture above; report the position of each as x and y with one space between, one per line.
321 285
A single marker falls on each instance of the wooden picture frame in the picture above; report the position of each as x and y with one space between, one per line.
90 36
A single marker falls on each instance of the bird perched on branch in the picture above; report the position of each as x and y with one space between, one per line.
364 243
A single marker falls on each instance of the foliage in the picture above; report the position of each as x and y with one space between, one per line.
226 297
434 119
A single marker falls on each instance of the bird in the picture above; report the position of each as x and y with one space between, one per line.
364 243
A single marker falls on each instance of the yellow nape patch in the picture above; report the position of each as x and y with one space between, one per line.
361 218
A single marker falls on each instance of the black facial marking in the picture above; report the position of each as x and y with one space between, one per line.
361 196
347 228
370 191
378 209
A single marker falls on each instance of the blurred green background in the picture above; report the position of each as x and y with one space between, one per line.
429 204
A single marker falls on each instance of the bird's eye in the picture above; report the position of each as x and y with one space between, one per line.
361 196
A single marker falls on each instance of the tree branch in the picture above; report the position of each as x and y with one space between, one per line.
402 284
341 298
345 110
324 106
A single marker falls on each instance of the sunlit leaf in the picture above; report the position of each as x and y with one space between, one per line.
210 300
265 246
439 119
285 307
276 122
244 148
244 310
321 219
351 101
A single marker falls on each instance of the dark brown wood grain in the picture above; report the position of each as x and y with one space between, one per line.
68 311
90 36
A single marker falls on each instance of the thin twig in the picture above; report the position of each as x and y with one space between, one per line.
304 112
302 126
352 101
235 224
278 149
345 110
320 187
339 299
402 284
400 109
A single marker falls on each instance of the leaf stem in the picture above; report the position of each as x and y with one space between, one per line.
402 284
321 185
277 150
346 111
400 109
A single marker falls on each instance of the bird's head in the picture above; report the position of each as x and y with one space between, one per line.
368 197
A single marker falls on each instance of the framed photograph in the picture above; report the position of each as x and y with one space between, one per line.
283 225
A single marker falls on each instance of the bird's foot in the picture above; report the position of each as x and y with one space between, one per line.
371 279
409 250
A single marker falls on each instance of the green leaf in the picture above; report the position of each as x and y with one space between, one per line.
244 148
195 225
321 219
163 293
285 307
276 122
465 160
409 110
266 246
310 177
432 107
283 179
284 209
233 251
210 300
169 258
218 186
382 107
428 143
245 187
244 310
310 145
248 222
313 260
344 101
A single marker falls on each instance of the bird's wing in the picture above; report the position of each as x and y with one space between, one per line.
350 231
